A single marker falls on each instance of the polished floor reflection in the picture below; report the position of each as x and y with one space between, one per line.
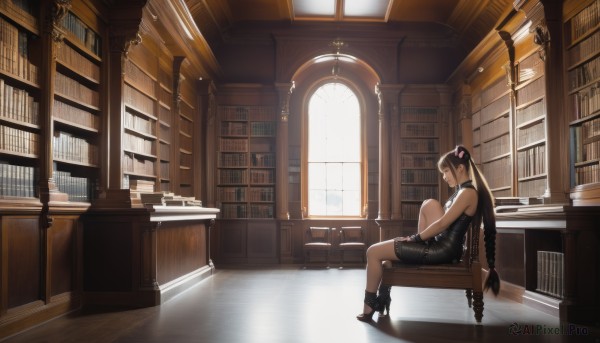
289 304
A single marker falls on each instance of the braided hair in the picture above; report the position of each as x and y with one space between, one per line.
485 208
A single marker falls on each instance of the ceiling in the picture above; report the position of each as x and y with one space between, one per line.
471 20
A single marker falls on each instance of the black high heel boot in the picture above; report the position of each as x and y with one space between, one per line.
384 299
372 301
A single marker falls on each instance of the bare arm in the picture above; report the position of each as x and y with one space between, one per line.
465 202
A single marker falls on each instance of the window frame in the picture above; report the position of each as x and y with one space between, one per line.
363 148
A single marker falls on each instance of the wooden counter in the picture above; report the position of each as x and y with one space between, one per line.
573 231
144 256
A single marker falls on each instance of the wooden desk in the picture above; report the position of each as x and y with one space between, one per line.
572 230
143 257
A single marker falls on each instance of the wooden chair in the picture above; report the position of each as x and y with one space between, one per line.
352 238
467 275
317 239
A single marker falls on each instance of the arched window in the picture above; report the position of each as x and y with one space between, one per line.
334 152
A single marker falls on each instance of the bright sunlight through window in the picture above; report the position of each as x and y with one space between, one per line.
334 152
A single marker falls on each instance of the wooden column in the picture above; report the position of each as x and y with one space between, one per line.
389 175
209 113
125 21
284 91
546 26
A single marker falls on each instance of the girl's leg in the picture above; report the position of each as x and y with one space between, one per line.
376 254
431 210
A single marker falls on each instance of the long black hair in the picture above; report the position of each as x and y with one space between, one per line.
485 208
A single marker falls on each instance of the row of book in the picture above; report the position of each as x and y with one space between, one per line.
165 133
19 141
185 143
75 115
532 161
137 77
132 164
493 92
71 148
233 145
232 176
500 106
262 176
587 174
79 189
591 151
533 91
165 168
494 128
584 49
75 61
263 129
586 101
419 114
227 159
477 136
234 211
495 148
498 172
138 144
410 211
530 67
531 112
14 53
584 74
419 145
136 123
259 159
20 9
590 128
17 181
262 211
532 134
476 120
550 273
18 104
585 20
138 100
532 188
229 128
419 161
87 36
419 130
68 87
186 126
425 176
164 115
231 194
245 113
418 193
185 176
185 159
165 151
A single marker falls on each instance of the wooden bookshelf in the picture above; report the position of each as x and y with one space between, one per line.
76 108
582 41
19 102
495 137
187 119
246 161
530 126
419 153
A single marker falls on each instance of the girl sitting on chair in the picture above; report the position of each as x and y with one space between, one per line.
441 231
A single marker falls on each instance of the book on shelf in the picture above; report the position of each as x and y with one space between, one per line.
15 56
17 181
17 104
83 33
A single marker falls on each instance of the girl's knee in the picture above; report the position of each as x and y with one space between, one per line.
430 203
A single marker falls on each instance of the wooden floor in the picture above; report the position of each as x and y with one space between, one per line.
290 304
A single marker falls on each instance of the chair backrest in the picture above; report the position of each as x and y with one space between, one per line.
354 234
472 246
318 234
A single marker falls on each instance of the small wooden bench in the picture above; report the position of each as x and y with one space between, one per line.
467 275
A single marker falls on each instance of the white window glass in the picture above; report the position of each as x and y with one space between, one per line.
334 156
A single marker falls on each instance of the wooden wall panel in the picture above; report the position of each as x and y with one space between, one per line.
63 246
23 259
181 249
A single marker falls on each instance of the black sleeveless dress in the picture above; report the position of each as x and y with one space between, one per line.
445 247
